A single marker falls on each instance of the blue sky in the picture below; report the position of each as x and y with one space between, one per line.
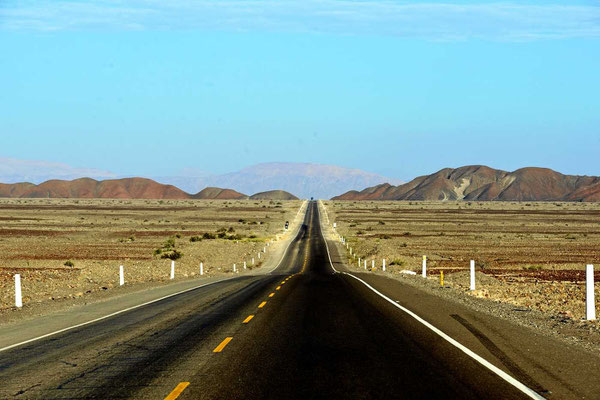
149 88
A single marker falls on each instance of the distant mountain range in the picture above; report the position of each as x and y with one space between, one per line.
303 179
126 188
479 182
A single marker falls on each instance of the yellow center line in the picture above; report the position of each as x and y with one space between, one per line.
248 318
278 287
261 305
224 343
177 391
272 294
282 282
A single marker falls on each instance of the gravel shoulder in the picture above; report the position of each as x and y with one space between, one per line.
111 297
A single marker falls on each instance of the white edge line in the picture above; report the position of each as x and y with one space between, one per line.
112 314
134 307
518 385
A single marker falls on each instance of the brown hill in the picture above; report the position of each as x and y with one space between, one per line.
478 182
128 188
214 193
273 195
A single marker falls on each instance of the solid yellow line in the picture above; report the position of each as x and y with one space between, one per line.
248 318
272 294
224 343
261 305
177 391
278 287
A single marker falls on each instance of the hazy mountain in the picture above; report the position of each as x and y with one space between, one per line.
303 179
13 171
483 183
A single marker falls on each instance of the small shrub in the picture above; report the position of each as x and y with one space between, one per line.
230 229
221 235
195 239
172 255
178 236
157 252
397 262
381 223
207 235
69 263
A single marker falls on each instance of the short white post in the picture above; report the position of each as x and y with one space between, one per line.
121 276
590 302
424 272
350 250
18 297
365 262
244 264
259 255
252 260
472 286
234 271
372 265
201 269
383 265
264 249
358 262
267 244
172 269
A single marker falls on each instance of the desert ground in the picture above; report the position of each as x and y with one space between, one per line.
530 254
67 249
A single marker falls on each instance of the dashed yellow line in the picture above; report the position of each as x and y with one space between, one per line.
278 287
224 343
261 305
272 294
177 391
248 318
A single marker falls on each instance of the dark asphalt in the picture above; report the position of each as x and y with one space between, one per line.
320 335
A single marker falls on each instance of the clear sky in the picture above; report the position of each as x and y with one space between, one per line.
393 87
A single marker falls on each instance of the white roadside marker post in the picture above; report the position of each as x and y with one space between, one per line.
365 264
172 269
383 265
372 265
201 269
590 303
252 261
234 271
472 286
121 276
18 297
358 262
264 249
259 255
244 264
424 272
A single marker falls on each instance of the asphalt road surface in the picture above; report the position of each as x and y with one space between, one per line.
301 332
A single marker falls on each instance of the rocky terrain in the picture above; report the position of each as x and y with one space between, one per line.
481 183
530 255
67 249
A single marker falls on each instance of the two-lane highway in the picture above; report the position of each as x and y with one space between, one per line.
301 332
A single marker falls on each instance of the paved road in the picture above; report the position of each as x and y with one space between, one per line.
301 332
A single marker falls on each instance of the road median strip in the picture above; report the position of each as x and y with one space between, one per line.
177 391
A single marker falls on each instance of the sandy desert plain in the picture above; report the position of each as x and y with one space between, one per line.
69 249
529 254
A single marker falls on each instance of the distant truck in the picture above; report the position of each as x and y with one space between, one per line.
287 224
